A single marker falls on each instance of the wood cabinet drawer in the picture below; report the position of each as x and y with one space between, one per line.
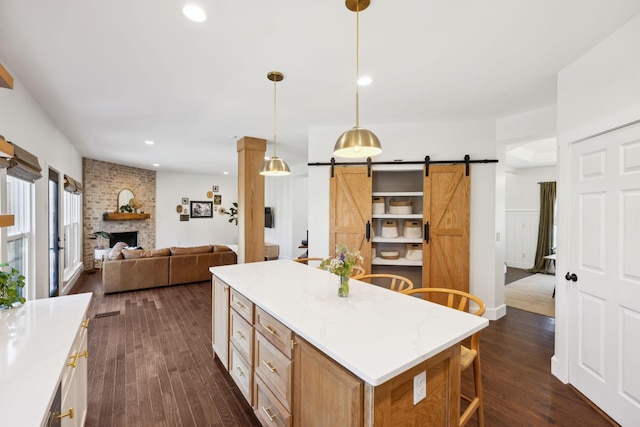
277 334
241 334
267 408
240 371
242 305
275 369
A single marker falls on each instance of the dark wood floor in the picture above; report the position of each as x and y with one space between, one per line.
152 365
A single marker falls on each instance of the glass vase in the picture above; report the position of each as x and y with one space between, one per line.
343 290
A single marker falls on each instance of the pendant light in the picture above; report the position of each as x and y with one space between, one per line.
274 166
357 142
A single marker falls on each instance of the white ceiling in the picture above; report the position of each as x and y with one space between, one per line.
114 73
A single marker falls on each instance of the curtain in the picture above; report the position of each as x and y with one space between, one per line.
71 185
545 226
24 165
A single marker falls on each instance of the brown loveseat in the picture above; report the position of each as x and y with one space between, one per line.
140 269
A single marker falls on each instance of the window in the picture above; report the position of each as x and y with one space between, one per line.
71 236
19 235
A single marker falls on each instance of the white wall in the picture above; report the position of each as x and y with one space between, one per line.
523 190
24 122
441 141
287 196
171 188
522 204
598 92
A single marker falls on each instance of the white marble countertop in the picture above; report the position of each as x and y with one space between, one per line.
374 333
35 340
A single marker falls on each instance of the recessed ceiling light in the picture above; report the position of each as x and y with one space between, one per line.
194 13
364 81
149 142
156 164
225 173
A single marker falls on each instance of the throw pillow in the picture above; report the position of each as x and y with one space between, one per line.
116 251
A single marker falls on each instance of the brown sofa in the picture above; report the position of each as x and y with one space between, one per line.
139 269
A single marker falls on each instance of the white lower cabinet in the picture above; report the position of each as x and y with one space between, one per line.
73 411
220 319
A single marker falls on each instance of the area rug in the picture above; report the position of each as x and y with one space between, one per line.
533 293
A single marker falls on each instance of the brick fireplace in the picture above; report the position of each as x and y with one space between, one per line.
102 182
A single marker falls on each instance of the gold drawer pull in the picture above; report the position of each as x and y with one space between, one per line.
269 414
68 414
75 358
239 334
85 323
239 304
239 371
270 329
269 366
84 354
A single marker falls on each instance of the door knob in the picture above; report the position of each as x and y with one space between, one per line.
571 276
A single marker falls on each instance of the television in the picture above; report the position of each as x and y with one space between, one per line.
268 217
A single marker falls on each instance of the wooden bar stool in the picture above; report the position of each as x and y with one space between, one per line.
468 356
402 283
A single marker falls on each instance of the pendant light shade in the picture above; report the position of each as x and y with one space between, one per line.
357 142
275 166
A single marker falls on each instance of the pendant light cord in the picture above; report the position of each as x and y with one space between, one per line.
274 117
357 62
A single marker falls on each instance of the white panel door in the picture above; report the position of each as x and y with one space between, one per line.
604 254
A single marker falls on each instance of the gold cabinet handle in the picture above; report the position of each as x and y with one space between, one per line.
293 343
239 371
85 323
68 414
270 329
269 366
269 414
84 354
239 304
239 334
225 289
75 358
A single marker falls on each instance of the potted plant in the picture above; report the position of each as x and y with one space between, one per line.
233 213
100 236
10 281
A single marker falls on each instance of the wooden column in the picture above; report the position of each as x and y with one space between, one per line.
250 199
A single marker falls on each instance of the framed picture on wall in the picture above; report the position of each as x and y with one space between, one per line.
201 209
217 199
185 200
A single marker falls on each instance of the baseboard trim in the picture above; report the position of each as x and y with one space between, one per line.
496 313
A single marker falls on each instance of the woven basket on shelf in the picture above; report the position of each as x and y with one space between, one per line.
402 207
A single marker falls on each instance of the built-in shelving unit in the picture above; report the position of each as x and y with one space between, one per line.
400 185
125 216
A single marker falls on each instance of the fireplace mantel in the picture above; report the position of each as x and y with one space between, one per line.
109 216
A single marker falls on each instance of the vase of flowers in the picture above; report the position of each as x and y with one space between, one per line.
342 264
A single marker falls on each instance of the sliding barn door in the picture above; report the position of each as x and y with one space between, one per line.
446 218
350 211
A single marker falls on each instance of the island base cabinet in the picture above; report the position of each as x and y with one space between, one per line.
325 394
391 403
268 408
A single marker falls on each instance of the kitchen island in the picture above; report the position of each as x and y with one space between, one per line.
43 362
304 356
